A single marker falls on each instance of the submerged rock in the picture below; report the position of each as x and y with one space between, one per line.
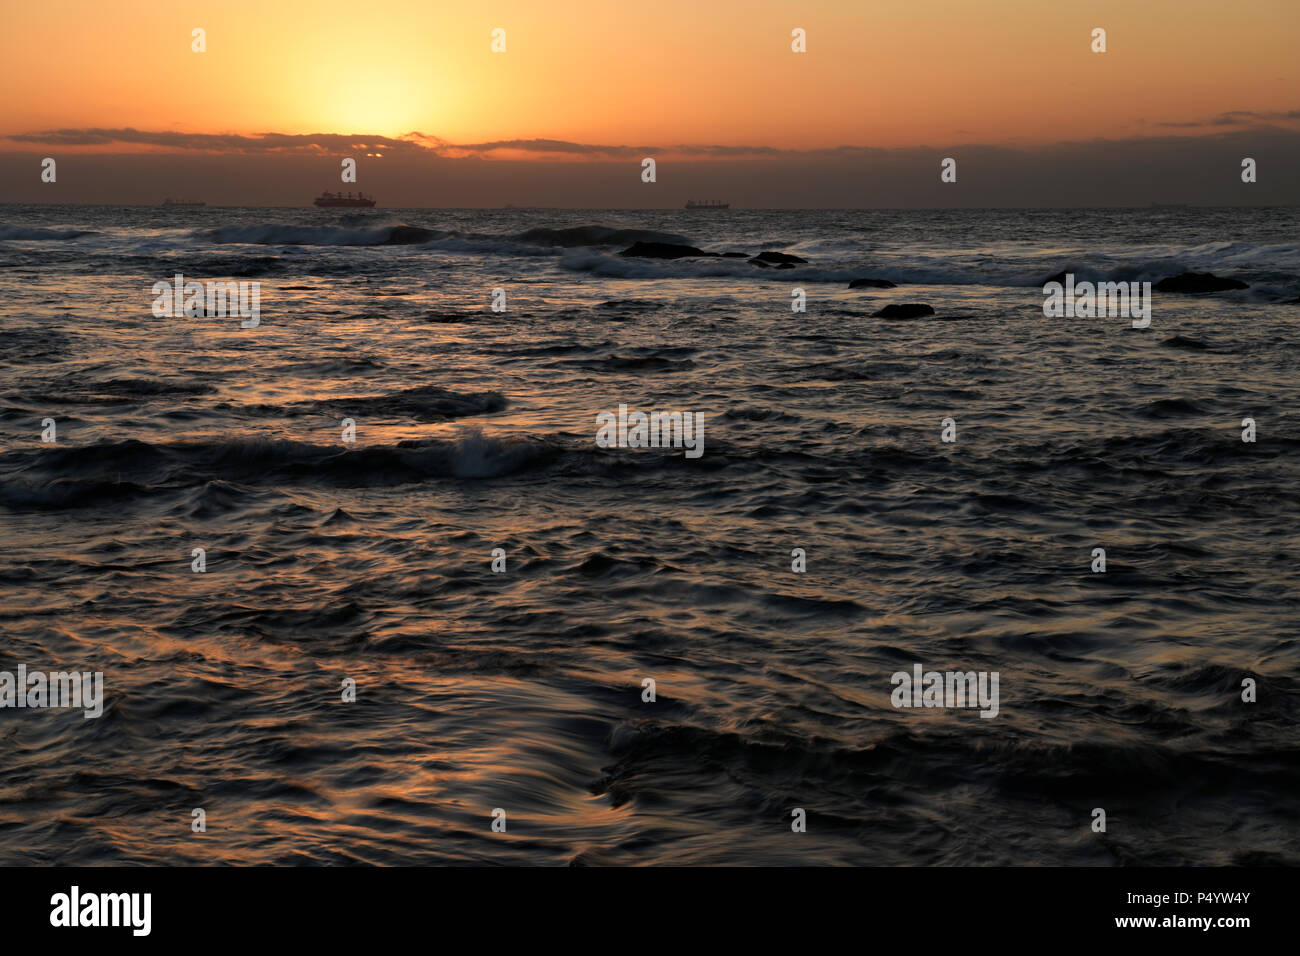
662 250
872 284
1182 342
777 257
1198 283
904 310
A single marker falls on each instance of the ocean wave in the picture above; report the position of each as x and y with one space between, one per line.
106 472
919 268
614 266
280 235
1272 270
235 266
60 493
648 359
338 365
115 391
428 403
20 233
597 236
1110 766
489 246
1157 452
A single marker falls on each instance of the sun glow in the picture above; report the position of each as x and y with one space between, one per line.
373 96
630 74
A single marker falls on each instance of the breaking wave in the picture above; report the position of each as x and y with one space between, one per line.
19 233
279 235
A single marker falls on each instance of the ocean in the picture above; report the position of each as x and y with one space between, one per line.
519 695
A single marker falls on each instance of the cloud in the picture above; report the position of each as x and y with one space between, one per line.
1201 167
333 143
421 144
225 142
1237 118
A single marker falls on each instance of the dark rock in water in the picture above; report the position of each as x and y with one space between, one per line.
662 250
428 403
597 564
904 310
735 255
1181 342
760 264
1059 277
775 257
409 236
785 265
1198 283
872 284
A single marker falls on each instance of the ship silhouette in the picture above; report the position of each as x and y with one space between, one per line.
338 199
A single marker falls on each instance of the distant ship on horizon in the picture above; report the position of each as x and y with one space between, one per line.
338 199
182 202
707 204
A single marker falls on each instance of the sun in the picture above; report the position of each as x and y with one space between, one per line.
377 98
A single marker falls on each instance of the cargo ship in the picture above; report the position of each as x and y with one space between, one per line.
338 199
182 202
707 204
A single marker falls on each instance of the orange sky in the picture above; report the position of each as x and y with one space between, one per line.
877 72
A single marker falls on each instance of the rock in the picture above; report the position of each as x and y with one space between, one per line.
735 255
872 284
785 265
904 310
1059 277
1198 283
662 250
775 257
1182 342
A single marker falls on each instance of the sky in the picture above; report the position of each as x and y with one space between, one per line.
585 89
